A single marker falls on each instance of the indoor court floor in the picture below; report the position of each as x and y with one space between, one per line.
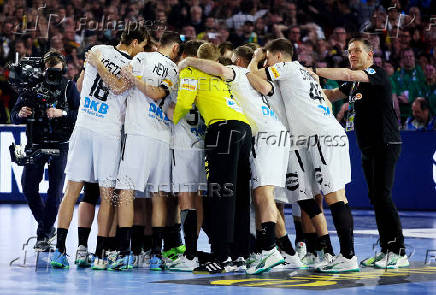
17 224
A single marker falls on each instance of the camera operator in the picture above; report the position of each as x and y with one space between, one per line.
50 121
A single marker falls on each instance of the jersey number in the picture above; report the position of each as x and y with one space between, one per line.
195 116
315 92
98 90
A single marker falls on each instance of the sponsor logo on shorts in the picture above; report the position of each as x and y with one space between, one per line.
292 183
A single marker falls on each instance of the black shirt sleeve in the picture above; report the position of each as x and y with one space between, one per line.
376 75
15 110
73 98
345 88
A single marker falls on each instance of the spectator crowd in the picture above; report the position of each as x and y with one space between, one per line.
403 34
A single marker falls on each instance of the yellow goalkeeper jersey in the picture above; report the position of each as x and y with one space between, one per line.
211 95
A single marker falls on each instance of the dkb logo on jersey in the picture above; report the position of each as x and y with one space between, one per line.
96 108
156 112
326 109
292 181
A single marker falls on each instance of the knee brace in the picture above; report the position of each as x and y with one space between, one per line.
91 193
310 207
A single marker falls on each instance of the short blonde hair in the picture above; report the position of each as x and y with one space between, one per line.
208 51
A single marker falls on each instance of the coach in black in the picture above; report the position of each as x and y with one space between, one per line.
372 116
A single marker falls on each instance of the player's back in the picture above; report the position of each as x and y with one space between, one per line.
100 108
306 109
256 106
145 116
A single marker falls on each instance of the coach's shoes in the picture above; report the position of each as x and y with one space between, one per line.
392 261
293 261
156 263
59 260
215 266
324 260
301 249
370 261
341 264
266 261
183 263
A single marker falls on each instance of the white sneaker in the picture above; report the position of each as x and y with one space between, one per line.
392 261
341 264
81 256
252 259
293 261
99 264
370 261
325 260
228 265
146 260
266 261
309 260
184 264
240 265
301 249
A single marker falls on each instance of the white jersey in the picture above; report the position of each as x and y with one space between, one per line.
256 107
144 116
100 108
306 110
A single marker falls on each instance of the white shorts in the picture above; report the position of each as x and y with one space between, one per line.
145 165
298 187
331 164
268 164
93 157
188 171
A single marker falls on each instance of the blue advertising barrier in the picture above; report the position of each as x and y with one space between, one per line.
414 188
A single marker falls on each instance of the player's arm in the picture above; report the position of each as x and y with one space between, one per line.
117 85
342 74
253 66
334 94
208 66
170 111
260 84
79 83
185 96
154 92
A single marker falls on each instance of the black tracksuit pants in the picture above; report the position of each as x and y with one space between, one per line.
379 167
227 205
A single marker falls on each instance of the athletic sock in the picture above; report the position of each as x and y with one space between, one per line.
157 236
189 221
259 242
147 242
311 242
124 234
100 248
325 244
299 236
285 245
83 233
267 232
137 239
111 243
61 236
343 221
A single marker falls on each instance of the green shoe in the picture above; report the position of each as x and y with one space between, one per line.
370 262
174 253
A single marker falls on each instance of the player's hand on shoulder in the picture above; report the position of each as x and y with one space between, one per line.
127 73
184 63
93 57
314 76
259 54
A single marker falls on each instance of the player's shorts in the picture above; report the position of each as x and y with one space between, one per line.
145 165
331 164
188 171
298 186
268 163
93 157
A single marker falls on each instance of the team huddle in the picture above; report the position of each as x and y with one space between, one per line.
176 140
